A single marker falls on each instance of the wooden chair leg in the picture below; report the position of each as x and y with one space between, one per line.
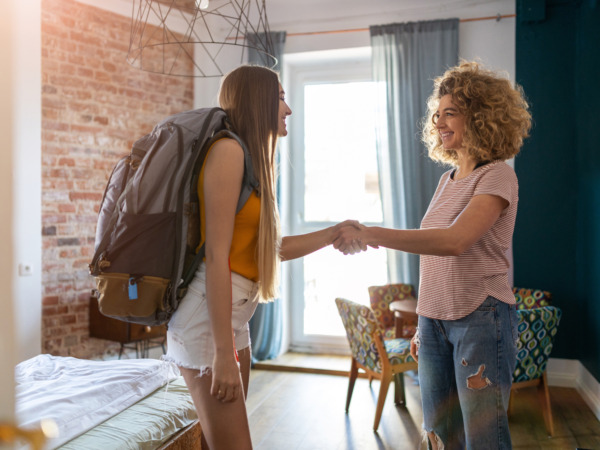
370 377
386 379
351 382
544 394
399 392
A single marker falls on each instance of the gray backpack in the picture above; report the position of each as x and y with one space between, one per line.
149 219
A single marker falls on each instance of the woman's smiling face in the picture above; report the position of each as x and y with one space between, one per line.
450 123
284 111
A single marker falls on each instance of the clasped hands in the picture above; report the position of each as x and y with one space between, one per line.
350 237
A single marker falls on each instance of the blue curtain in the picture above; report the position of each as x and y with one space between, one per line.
406 57
266 325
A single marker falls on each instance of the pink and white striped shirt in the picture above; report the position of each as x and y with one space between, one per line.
452 287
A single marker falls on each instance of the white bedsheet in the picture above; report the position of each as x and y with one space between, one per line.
80 394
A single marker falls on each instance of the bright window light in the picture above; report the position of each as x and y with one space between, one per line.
340 157
341 182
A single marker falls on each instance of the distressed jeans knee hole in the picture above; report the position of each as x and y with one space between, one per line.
477 381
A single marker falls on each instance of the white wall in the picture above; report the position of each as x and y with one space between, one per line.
8 353
493 42
27 178
20 190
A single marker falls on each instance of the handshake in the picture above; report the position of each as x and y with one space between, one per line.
350 237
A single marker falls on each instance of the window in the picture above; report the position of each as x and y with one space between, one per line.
332 177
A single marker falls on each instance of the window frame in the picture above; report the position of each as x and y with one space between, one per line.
341 66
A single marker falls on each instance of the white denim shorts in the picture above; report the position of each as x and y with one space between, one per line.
189 337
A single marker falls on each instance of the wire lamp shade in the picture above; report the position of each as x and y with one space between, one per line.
181 38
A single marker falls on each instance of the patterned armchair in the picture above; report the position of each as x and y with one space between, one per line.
381 297
537 329
378 358
531 298
538 325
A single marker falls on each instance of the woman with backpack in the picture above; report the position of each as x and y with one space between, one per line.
466 340
208 335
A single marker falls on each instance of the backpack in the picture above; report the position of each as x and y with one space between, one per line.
149 218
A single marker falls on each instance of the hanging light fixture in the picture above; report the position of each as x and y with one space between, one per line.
198 38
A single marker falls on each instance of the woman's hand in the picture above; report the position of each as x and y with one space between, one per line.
354 245
226 380
414 350
293 247
347 238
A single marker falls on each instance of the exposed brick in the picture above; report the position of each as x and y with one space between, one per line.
53 218
47 301
85 72
68 319
101 120
65 80
133 93
76 59
94 196
49 231
52 102
109 67
66 162
68 241
46 89
68 254
68 69
94 106
79 308
48 322
58 126
102 77
67 208
54 310
51 114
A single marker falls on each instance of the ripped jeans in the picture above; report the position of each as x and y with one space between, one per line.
465 373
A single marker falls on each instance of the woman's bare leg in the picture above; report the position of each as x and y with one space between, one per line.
245 357
225 425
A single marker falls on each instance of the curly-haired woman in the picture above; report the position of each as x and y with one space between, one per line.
467 318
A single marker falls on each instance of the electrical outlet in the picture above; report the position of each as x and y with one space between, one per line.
25 269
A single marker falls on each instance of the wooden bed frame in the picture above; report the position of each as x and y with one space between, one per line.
187 438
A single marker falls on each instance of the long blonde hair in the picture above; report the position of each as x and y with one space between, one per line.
250 97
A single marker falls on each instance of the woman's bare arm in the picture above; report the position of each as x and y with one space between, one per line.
478 217
222 184
293 247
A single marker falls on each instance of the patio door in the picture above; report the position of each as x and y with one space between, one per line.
333 177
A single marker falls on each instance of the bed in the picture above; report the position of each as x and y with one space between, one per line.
97 405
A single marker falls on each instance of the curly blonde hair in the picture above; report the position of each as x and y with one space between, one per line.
497 117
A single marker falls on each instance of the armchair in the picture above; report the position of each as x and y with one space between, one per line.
378 358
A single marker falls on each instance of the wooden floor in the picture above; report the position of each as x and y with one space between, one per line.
301 411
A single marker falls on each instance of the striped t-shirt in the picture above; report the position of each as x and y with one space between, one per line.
452 287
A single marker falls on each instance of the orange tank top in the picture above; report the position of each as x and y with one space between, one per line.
242 256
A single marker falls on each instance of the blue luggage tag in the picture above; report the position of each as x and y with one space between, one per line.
133 295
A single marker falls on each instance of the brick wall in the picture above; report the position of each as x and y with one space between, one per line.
94 106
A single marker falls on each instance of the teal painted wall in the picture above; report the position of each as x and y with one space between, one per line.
588 177
557 235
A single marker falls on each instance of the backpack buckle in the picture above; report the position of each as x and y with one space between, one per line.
100 264
181 292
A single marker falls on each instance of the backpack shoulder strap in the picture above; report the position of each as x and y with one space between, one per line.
249 183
